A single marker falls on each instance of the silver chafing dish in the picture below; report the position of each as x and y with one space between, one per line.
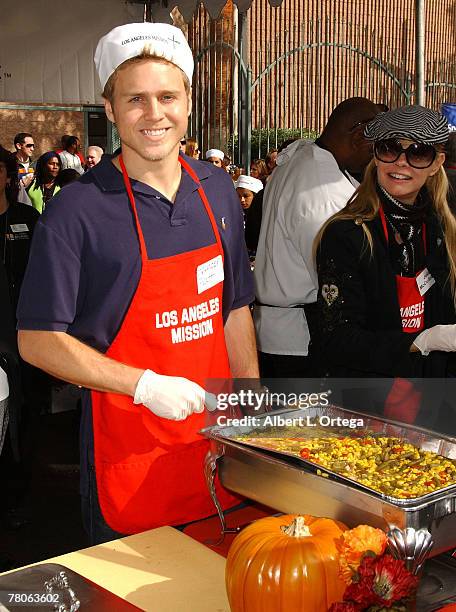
292 485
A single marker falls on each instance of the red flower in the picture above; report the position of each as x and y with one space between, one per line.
366 570
361 593
392 581
345 607
360 590
380 581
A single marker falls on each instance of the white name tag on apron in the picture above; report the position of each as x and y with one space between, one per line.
424 280
209 274
19 227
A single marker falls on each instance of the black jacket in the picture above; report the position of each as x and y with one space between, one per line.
253 217
9 360
19 222
356 328
451 175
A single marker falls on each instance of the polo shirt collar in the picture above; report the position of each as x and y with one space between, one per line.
109 178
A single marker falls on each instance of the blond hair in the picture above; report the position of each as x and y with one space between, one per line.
108 91
365 204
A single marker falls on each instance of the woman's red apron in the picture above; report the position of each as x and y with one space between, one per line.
403 401
150 470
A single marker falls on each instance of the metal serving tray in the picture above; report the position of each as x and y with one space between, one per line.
290 484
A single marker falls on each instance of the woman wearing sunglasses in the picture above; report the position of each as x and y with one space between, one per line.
387 261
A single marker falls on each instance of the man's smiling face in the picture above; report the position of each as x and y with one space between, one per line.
150 108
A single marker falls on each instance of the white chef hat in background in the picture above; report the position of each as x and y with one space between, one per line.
248 182
215 153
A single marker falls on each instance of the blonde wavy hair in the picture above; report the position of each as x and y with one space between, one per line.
365 204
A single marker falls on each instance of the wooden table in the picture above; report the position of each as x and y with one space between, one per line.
158 570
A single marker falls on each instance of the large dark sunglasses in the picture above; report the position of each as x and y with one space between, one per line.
418 155
29 146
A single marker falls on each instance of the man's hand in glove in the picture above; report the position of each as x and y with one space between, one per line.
169 397
437 338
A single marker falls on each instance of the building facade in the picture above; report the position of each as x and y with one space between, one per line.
262 77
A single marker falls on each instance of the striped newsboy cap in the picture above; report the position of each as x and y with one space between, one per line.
415 123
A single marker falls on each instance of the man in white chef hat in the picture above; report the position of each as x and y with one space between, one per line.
138 290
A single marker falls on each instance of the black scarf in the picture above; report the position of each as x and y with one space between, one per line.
405 225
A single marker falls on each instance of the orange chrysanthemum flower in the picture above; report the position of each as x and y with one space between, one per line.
354 544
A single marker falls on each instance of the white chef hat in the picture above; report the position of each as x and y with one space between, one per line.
215 153
127 41
248 182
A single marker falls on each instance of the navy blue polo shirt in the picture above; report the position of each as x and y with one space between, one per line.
85 261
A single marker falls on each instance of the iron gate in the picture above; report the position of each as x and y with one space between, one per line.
296 87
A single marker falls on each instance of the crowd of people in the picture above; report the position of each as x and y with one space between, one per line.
42 178
249 187
26 186
356 260
354 243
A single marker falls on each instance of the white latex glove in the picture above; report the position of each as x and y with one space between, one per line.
169 397
437 338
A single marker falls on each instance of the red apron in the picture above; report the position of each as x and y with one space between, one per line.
150 470
403 401
411 302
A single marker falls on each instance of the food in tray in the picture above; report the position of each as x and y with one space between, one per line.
389 465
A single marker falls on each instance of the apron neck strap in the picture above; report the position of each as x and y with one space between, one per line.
131 197
203 197
383 219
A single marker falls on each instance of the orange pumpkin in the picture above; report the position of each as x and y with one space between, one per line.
284 564
448 608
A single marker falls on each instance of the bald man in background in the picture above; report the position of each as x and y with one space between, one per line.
312 181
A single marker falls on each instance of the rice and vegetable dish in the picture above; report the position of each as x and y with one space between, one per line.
389 465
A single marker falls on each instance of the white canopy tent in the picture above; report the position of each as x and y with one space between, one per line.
47 48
